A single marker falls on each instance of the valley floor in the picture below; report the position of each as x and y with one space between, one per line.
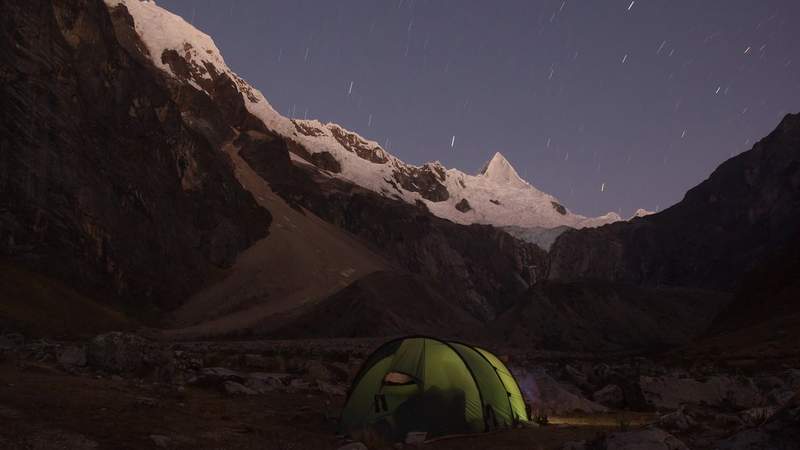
45 408
121 391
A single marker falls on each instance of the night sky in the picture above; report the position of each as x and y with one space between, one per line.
646 96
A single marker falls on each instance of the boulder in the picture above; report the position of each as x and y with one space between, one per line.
11 341
332 389
160 441
72 356
259 386
757 416
611 396
574 445
780 396
648 439
9 413
677 420
317 371
353 446
121 352
577 377
262 382
554 398
793 378
234 388
671 392
781 431
213 376
259 362
58 439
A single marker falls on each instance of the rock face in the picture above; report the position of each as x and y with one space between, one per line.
143 207
549 396
483 268
380 304
671 392
611 395
605 316
745 211
105 181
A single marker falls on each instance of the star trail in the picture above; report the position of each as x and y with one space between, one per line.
640 98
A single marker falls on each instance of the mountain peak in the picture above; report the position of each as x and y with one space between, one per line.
499 170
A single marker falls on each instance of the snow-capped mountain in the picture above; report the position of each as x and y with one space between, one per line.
641 212
497 195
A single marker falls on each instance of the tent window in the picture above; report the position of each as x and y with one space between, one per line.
397 378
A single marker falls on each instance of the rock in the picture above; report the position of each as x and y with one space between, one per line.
793 378
553 398
146 401
671 392
769 383
259 386
574 445
262 382
728 421
59 439
610 395
354 446
746 440
160 440
234 388
72 356
781 431
8 413
215 376
780 396
677 420
331 389
577 377
757 416
463 205
121 352
11 341
416 437
277 380
316 370
649 439
298 384
258 362
601 372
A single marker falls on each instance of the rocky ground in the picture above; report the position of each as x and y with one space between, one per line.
122 390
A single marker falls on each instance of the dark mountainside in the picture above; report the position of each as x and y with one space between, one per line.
746 211
104 184
115 182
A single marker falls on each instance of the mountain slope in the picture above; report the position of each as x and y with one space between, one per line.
747 210
160 193
103 184
496 196
480 266
127 186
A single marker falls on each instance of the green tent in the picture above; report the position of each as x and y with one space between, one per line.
423 384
